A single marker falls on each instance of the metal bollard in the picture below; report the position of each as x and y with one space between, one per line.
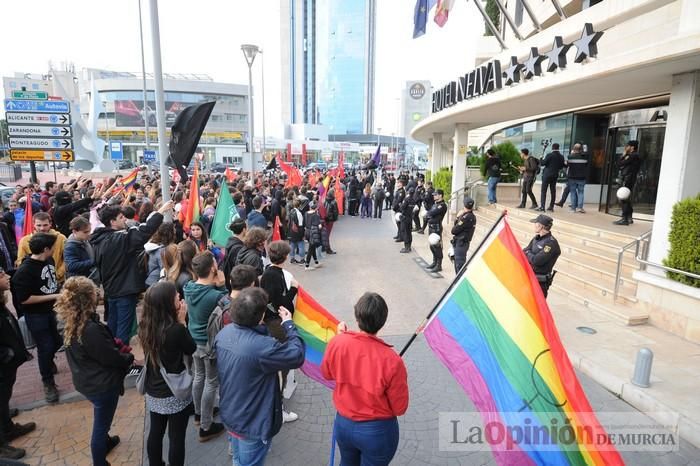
642 368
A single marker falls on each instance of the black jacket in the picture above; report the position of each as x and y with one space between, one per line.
312 221
177 343
552 163
629 168
12 351
252 257
293 218
233 247
578 166
63 214
117 256
493 166
95 361
275 285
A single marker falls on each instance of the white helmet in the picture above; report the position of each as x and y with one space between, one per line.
434 239
623 193
397 217
416 208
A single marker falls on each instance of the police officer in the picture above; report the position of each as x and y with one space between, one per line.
407 207
418 197
434 218
629 165
428 201
543 251
462 232
399 196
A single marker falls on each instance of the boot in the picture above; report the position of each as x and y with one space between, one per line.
534 206
51 392
431 265
406 249
437 268
622 221
520 206
17 430
11 453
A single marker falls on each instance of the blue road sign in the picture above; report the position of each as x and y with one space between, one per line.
149 156
43 106
117 151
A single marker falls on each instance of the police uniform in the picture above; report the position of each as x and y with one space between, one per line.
542 253
428 202
463 231
399 196
418 197
434 218
407 206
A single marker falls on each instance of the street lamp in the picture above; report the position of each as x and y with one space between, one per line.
249 52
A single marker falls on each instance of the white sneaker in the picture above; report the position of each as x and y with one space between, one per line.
288 416
318 264
309 267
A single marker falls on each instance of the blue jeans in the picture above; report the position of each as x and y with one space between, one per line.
122 312
493 181
45 332
576 189
298 249
366 443
104 406
249 452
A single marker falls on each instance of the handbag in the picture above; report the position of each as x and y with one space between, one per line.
180 384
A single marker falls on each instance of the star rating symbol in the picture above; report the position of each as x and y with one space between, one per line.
533 64
557 56
587 45
512 73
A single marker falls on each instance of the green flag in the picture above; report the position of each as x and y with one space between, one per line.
226 213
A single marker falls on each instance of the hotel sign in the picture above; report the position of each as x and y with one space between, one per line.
491 77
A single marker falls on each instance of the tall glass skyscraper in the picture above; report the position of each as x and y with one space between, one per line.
328 63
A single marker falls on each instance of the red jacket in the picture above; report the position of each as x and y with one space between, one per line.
371 379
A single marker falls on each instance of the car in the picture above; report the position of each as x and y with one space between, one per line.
40 166
317 166
217 167
124 164
6 193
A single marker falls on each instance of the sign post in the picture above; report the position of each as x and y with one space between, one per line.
116 150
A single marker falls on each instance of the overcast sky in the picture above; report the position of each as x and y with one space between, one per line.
204 36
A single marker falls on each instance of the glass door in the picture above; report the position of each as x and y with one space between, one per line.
651 144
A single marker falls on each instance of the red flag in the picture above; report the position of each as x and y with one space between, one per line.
339 197
341 166
28 227
193 210
303 155
230 175
293 176
276 235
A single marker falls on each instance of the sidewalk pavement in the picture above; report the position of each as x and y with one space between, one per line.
608 356
63 432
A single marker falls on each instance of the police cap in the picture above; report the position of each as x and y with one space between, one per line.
468 202
439 191
544 220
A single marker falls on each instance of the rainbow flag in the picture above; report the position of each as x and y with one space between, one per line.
494 332
316 327
128 181
192 213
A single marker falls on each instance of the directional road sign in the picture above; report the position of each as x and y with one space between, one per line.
41 143
38 118
42 106
21 155
149 156
116 150
33 95
49 131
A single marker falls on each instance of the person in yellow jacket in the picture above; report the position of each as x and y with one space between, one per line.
42 224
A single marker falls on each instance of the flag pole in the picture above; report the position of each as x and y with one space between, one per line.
457 277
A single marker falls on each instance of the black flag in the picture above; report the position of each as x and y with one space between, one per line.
185 134
273 164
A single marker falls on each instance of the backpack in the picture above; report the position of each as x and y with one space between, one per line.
293 226
218 318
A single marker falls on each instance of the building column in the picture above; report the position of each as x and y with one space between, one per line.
680 163
459 164
436 153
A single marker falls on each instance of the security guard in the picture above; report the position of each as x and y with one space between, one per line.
399 196
434 218
543 251
407 207
462 232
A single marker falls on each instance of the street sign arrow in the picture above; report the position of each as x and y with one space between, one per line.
38 118
42 106
21 155
41 143
48 131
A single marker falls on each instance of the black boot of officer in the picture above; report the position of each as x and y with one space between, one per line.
463 231
434 218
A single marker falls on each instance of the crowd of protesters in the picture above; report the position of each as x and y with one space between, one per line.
90 243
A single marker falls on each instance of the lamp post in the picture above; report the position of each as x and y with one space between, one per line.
249 52
262 72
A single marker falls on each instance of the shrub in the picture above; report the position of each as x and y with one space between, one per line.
494 13
510 161
443 180
684 239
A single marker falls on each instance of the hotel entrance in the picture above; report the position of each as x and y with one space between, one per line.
648 126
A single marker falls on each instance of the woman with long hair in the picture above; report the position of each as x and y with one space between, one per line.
181 271
164 235
198 234
166 341
96 362
366 202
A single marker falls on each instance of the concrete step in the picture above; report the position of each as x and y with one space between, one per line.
579 236
620 311
592 232
567 262
600 289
